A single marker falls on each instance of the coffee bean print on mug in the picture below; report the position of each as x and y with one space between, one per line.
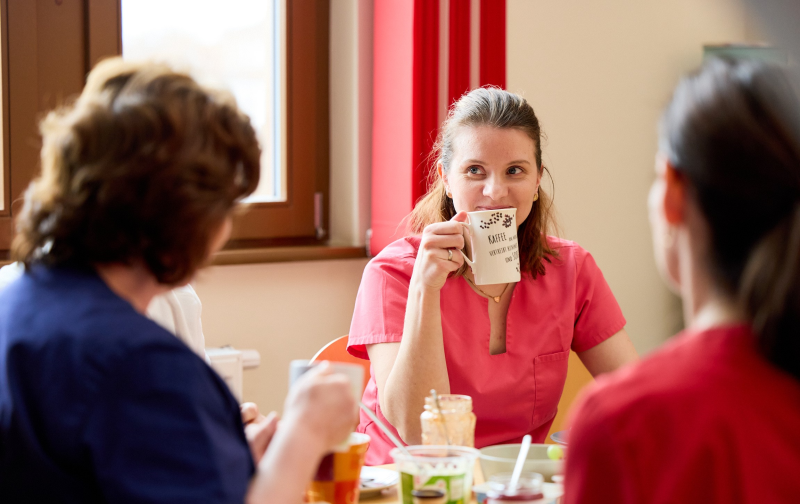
494 219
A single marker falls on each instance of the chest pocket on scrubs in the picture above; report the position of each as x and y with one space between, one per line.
550 373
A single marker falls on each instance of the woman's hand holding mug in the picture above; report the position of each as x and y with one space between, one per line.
438 254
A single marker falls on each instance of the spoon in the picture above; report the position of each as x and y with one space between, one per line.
385 429
523 454
441 416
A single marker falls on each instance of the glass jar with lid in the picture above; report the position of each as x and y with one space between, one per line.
529 489
451 422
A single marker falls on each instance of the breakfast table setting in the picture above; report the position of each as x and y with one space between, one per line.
445 468
379 485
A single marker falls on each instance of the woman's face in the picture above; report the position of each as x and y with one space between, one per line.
664 236
493 168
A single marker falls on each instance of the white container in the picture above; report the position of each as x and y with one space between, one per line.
502 458
227 362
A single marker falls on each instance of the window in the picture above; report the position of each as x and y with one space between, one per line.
45 46
237 48
48 46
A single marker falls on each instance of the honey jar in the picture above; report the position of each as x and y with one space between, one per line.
448 420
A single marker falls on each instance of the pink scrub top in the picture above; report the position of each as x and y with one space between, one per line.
515 393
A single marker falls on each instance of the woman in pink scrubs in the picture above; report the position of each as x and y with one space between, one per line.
424 324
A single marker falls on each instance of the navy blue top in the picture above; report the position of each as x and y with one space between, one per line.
100 404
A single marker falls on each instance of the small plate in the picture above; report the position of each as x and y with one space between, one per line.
560 437
374 480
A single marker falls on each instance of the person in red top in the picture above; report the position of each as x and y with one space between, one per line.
714 415
424 324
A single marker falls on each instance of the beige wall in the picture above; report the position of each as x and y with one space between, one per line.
598 74
285 311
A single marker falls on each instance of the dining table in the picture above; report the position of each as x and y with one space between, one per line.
392 496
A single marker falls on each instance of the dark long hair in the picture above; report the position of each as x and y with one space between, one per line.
733 130
490 106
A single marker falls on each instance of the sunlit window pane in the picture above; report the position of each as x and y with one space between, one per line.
231 44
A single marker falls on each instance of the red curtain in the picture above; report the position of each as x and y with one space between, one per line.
406 95
493 43
459 48
425 91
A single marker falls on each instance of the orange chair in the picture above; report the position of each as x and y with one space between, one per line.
336 351
577 378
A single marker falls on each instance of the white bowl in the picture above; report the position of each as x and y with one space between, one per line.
501 459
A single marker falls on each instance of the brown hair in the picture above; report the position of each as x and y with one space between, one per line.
733 130
489 106
144 166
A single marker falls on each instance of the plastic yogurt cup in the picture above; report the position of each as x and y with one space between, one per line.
445 468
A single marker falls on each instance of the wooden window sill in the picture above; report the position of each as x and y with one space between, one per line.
287 254
278 254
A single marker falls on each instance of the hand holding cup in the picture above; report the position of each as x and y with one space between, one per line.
321 403
438 254
495 248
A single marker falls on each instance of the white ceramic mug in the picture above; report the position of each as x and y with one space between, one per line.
354 373
495 252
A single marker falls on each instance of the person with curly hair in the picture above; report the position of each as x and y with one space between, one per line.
98 403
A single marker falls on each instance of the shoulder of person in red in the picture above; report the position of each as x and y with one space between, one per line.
705 405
